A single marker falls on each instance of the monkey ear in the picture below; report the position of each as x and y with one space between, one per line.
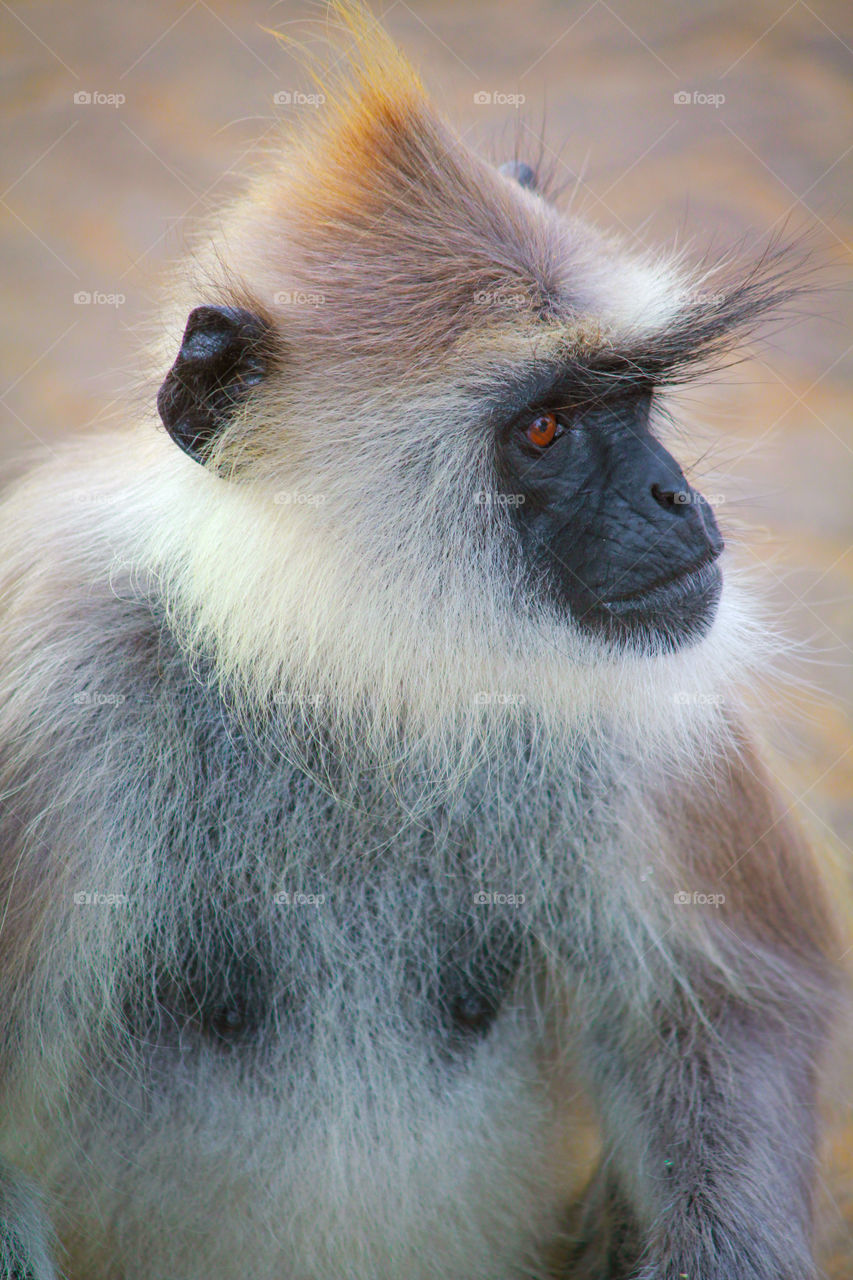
520 173
224 351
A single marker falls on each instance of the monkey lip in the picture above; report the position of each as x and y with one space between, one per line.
697 579
672 611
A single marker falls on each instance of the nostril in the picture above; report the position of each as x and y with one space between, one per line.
675 500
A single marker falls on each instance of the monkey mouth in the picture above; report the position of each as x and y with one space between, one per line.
665 616
695 577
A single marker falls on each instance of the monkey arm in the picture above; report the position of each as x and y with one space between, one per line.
707 1082
711 1151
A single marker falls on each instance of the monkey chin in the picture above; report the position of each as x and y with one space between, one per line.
663 618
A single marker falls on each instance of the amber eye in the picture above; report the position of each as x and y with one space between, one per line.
542 430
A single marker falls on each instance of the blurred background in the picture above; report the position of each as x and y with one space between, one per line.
706 123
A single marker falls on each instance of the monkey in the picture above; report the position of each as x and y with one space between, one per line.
393 885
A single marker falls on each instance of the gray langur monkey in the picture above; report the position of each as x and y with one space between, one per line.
391 888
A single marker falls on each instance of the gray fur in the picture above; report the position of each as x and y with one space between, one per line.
26 1238
346 1004
348 1062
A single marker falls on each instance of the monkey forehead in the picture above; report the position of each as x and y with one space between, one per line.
401 293
382 236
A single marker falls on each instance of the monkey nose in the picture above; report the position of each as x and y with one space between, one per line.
674 500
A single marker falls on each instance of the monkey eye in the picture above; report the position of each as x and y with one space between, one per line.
543 430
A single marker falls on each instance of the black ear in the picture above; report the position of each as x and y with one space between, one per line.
521 173
225 350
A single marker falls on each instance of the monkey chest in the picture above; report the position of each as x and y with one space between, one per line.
285 970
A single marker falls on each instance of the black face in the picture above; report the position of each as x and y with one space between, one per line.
608 524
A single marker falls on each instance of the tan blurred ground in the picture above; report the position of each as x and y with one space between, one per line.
97 198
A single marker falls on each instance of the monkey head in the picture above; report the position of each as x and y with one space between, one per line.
425 402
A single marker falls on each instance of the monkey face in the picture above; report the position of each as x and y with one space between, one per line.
607 523
609 532
426 393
